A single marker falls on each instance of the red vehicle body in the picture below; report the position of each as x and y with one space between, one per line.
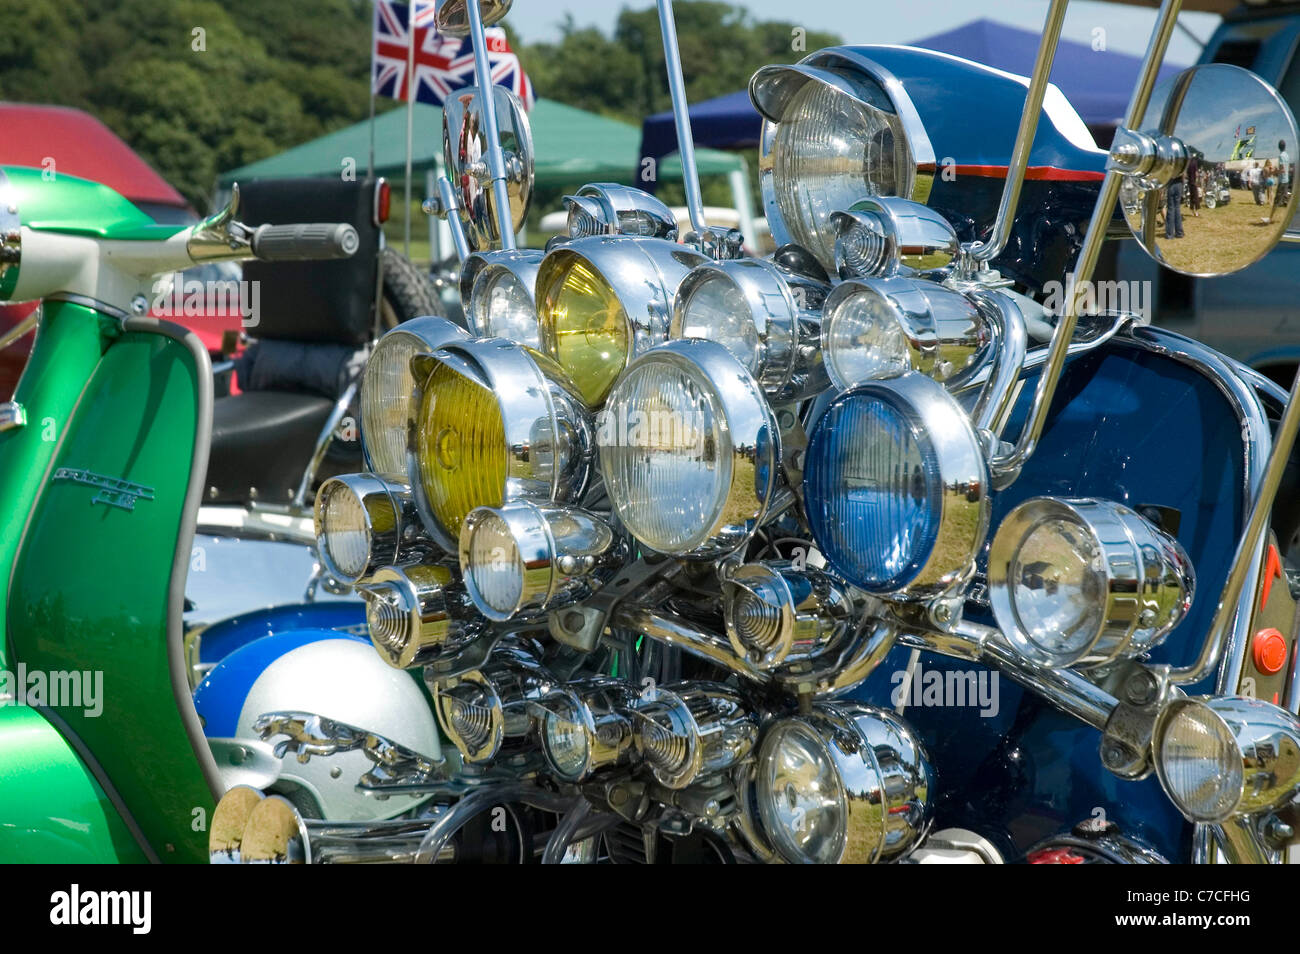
64 141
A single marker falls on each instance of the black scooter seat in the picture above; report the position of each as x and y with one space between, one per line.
262 442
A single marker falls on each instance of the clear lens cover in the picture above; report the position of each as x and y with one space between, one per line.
503 308
565 738
666 456
800 796
1201 764
385 400
830 152
717 310
344 530
864 339
494 566
1058 586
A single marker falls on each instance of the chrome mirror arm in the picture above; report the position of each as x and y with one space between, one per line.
978 253
1093 240
681 117
445 206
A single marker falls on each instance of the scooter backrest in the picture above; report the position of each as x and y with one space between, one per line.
329 301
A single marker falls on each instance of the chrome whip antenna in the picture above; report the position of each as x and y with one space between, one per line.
495 156
681 115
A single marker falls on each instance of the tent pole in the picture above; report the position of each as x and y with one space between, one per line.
739 179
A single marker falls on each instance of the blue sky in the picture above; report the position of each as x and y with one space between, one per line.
898 21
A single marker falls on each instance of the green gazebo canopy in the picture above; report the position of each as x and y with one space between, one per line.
572 147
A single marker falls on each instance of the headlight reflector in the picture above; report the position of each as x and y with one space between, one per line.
895 487
386 386
689 449
845 784
1083 582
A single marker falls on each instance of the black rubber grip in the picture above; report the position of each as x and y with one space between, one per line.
304 243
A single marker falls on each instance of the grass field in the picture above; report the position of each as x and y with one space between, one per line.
1235 231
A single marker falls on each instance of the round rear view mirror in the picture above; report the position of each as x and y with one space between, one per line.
465 148
1209 177
453 15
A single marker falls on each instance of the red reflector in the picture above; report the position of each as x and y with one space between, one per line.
1055 856
385 202
1269 650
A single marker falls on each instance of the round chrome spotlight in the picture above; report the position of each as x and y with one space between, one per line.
364 522
1084 582
690 731
606 208
489 713
885 235
845 784
498 287
778 615
896 487
690 450
414 613
587 726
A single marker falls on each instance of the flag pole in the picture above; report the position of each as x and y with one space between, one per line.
374 43
410 113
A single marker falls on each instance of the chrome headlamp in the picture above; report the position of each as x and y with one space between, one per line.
885 235
838 128
386 386
878 327
492 423
586 726
605 208
1084 582
1221 756
605 299
896 487
522 559
767 316
689 731
364 522
689 450
779 615
845 784
489 712
415 612
498 290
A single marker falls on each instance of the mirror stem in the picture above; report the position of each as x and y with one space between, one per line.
1038 80
681 116
1011 461
495 157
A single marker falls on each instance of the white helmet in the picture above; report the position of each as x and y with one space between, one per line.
326 673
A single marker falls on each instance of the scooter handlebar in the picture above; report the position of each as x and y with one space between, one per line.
304 243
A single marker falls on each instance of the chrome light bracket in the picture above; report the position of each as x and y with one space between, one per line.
1141 692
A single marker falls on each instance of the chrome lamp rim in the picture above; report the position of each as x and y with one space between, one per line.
785 308
749 428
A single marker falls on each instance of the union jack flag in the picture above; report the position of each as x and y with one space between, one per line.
442 63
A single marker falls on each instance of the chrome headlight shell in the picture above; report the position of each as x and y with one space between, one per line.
878 327
1221 756
845 784
414 613
606 208
778 615
769 318
884 236
491 422
498 290
605 299
364 522
896 488
689 731
586 726
838 128
386 386
1084 582
689 450
522 559
489 712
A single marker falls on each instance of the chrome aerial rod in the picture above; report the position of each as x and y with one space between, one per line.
495 156
681 116
981 252
1010 461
